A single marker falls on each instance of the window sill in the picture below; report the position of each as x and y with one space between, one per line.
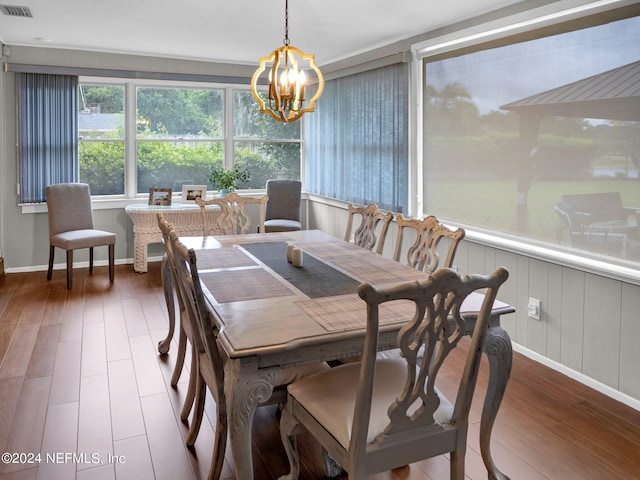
580 261
106 203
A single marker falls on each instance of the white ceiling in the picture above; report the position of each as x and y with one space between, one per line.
238 31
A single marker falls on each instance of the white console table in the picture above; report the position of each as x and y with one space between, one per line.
186 218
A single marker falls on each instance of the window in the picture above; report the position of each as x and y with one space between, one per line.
101 134
175 135
266 147
513 133
179 136
356 142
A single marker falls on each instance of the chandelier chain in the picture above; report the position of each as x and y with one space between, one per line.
286 22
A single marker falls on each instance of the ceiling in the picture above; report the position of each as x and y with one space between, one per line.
237 31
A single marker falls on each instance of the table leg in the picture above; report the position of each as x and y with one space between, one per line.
139 254
497 346
167 285
245 391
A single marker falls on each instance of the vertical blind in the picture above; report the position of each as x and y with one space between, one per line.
48 133
356 142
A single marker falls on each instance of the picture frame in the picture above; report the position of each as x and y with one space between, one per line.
191 192
160 196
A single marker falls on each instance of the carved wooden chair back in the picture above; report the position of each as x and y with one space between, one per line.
379 414
366 235
431 241
233 218
205 347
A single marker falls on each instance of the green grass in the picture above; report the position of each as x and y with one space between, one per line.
491 204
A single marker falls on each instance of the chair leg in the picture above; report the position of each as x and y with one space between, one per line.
51 255
289 428
90 259
112 252
198 411
182 347
220 445
69 269
192 388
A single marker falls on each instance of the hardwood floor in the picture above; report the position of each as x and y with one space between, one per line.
81 383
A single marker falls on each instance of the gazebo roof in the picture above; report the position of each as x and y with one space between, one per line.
611 95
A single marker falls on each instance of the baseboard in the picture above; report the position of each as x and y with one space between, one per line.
63 266
579 377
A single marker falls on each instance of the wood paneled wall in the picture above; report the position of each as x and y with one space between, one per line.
589 326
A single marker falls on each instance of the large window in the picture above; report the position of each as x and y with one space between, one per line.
179 136
138 135
520 139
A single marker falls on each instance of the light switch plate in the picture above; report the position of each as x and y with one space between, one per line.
533 308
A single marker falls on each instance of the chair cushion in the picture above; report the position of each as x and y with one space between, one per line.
282 225
330 397
82 239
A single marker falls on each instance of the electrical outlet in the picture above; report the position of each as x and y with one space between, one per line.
533 308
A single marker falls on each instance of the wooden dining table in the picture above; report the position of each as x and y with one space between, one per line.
272 315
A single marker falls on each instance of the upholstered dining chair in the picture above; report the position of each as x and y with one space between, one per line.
366 235
207 370
424 253
381 414
233 218
283 207
71 226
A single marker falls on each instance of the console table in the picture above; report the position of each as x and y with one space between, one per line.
186 218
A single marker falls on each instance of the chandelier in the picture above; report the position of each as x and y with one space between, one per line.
284 69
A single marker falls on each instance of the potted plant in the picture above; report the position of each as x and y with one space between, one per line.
227 180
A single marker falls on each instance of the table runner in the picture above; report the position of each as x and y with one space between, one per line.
314 278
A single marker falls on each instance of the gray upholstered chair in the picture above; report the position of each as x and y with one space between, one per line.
283 207
71 226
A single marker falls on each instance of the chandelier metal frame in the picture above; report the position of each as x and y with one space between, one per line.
287 80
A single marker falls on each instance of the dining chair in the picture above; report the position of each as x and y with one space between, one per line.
208 368
185 331
233 218
283 207
71 226
366 235
380 414
424 253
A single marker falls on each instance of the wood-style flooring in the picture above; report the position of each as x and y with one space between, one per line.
82 385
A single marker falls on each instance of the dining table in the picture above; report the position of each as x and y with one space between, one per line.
272 314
